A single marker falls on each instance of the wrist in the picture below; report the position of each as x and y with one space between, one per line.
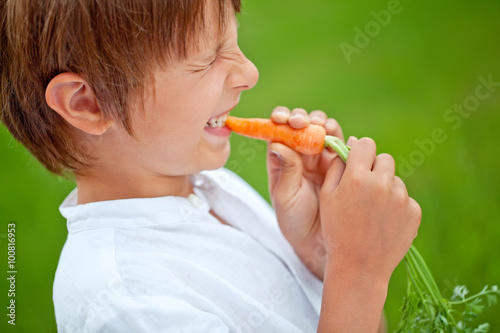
351 277
353 299
363 265
313 256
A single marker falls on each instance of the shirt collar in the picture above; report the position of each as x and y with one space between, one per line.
136 212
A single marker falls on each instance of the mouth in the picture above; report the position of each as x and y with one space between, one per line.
217 121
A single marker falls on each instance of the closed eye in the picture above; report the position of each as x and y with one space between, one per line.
200 68
212 62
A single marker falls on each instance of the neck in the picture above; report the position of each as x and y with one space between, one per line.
103 186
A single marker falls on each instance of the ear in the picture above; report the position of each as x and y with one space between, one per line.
71 97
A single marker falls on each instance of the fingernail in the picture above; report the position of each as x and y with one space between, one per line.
280 111
280 116
275 153
350 140
296 115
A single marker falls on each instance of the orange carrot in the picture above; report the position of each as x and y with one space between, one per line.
308 141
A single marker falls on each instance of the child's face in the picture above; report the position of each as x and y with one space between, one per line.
172 134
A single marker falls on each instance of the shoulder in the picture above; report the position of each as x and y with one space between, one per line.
105 283
146 314
86 277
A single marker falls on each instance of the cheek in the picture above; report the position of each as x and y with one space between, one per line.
176 118
168 132
212 83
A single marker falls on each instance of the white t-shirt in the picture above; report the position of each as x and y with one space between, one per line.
167 265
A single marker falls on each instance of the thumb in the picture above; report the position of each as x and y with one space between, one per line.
284 168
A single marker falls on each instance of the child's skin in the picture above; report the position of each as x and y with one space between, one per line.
171 138
351 224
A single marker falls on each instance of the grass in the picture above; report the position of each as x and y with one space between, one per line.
396 90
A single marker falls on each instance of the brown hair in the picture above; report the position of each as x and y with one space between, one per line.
111 43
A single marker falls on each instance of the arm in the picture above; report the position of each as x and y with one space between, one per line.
351 302
382 328
350 229
295 182
368 223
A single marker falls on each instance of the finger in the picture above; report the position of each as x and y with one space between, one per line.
333 128
333 175
280 115
384 163
318 117
398 183
285 171
351 140
319 163
416 212
298 118
362 155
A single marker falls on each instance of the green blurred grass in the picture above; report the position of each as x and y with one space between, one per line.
396 91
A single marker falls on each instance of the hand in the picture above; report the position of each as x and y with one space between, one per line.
295 182
368 219
368 222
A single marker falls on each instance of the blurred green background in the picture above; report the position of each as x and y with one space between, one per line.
399 85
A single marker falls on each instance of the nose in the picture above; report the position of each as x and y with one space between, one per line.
245 75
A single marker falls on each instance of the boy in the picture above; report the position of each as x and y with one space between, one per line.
130 97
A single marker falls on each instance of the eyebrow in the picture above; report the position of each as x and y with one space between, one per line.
223 38
214 51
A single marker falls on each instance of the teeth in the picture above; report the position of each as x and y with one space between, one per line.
217 121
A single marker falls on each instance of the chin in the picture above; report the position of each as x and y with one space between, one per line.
216 160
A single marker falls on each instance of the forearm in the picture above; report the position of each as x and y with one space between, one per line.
351 302
313 256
